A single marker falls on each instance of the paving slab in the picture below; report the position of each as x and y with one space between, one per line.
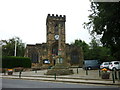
80 77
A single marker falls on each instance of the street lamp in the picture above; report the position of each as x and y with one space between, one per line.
15 47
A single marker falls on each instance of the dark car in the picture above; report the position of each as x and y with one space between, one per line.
91 64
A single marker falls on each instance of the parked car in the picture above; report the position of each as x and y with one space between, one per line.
105 65
91 64
114 65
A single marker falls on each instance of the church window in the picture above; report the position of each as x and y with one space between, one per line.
56 28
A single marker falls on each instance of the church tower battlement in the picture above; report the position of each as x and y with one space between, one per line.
56 17
55 25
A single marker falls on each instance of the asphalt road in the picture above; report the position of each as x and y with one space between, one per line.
0 83
15 83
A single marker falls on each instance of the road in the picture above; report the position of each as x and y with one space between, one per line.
15 83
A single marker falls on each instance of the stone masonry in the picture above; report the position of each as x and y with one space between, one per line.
55 45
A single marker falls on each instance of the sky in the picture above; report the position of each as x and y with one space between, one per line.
26 19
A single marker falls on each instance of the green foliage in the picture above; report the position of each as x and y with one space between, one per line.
84 46
11 62
105 20
99 52
8 47
94 51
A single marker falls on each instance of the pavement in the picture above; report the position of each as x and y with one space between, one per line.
79 76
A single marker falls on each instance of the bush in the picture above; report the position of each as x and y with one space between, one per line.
12 62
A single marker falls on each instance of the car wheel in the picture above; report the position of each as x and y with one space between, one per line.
114 69
89 68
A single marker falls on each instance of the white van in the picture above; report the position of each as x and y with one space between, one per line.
114 65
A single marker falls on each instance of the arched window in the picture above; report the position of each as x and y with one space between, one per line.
55 48
74 57
34 57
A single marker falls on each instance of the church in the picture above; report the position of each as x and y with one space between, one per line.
55 50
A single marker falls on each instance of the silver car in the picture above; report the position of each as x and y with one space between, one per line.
105 65
114 65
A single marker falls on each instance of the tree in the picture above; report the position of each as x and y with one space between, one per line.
105 20
99 52
94 50
84 46
8 47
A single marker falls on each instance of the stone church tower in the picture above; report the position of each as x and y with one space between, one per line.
56 36
55 46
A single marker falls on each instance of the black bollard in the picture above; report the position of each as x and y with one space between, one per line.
115 74
5 72
77 70
35 70
86 71
99 73
55 76
119 74
20 74
113 77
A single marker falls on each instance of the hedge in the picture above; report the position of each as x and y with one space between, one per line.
12 62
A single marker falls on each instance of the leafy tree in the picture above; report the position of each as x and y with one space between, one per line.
84 46
94 50
99 52
8 47
105 20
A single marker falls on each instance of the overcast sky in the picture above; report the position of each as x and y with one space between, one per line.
27 19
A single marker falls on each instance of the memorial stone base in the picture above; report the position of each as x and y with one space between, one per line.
60 69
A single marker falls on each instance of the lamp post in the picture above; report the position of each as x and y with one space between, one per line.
15 47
